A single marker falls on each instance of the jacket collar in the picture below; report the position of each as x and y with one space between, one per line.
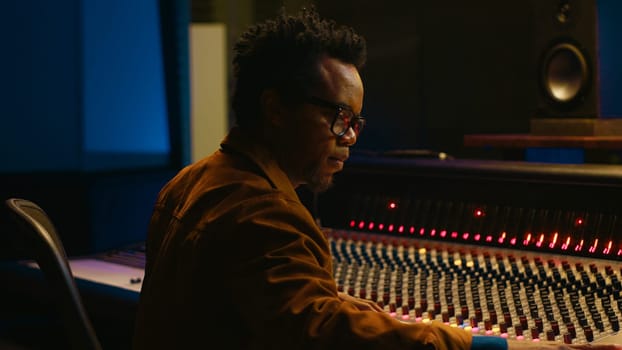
248 145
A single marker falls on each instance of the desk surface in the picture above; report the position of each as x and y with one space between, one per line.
553 141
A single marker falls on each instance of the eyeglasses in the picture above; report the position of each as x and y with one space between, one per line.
344 117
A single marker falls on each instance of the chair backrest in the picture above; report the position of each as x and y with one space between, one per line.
49 253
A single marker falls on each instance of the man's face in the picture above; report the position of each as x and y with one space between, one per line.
314 152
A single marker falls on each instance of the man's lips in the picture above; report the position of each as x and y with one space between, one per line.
337 162
339 159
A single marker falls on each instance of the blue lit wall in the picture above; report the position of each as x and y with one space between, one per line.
85 86
123 82
40 73
610 57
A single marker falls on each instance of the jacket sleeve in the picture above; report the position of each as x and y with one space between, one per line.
293 301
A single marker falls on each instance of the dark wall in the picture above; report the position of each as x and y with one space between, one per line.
393 89
440 69
92 212
477 74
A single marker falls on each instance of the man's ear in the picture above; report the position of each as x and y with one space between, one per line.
272 107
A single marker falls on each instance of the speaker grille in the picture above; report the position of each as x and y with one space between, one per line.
565 73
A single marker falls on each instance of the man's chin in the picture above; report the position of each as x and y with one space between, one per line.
320 183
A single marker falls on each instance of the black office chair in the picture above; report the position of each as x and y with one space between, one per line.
49 253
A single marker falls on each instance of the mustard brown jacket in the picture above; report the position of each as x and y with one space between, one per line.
236 261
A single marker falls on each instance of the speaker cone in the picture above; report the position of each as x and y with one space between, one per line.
565 73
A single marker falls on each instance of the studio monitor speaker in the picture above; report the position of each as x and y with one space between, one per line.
567 65
578 73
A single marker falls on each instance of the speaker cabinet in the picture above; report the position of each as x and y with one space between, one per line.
575 64
566 58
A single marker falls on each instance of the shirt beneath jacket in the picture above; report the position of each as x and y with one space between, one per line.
234 258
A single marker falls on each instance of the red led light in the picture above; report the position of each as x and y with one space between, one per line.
579 247
540 240
513 241
488 238
412 229
477 237
566 244
592 248
352 223
390 227
454 234
554 241
479 213
400 229
370 226
607 250
579 221
361 224
527 239
443 233
502 237
422 231
392 205
433 232
381 227
465 236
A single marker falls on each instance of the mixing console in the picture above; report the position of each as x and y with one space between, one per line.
515 294
521 250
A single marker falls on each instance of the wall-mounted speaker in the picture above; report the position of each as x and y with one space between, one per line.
576 66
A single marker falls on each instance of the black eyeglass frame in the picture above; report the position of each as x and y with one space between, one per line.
356 122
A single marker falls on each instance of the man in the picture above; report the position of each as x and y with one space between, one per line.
233 257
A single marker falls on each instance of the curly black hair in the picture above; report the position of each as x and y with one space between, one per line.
282 54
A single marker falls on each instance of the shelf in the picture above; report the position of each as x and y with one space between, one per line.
542 141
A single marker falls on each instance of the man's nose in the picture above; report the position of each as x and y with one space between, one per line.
349 138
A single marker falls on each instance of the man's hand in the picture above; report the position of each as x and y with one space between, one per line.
361 304
545 345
